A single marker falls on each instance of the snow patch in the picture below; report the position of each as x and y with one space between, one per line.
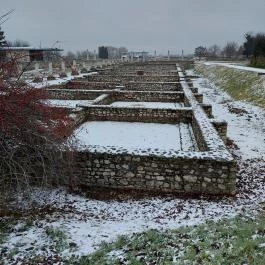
131 135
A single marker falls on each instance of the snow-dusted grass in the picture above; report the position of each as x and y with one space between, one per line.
235 241
246 123
136 135
81 224
84 223
237 66
78 225
240 84
163 105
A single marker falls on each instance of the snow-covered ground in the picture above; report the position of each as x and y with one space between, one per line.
169 105
68 103
246 123
236 66
58 80
88 222
132 135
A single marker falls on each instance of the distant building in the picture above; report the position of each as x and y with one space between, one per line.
134 56
116 53
28 54
110 52
103 52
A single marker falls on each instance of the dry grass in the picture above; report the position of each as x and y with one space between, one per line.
241 85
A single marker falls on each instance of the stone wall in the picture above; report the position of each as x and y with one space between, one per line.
209 170
136 86
221 128
198 134
148 96
199 97
90 85
108 113
207 109
193 89
132 78
73 94
188 176
151 96
153 86
134 72
147 67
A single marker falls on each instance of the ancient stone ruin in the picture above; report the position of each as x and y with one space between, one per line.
194 162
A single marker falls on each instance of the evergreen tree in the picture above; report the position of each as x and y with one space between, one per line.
200 52
259 50
2 38
249 45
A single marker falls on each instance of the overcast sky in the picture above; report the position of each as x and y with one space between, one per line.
137 24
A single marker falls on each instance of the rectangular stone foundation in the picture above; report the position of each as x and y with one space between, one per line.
207 170
179 175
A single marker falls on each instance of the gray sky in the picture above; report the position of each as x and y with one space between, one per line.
137 24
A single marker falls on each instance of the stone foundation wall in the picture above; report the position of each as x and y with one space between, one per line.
209 170
148 96
151 86
198 135
147 67
208 110
193 89
199 97
108 113
176 175
73 94
135 86
221 128
152 96
90 85
134 72
132 78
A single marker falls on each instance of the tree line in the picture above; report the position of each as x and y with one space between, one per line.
253 48
230 50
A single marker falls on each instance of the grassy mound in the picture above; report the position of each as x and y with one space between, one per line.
240 84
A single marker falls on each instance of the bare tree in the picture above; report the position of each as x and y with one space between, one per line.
230 50
214 51
18 43
3 19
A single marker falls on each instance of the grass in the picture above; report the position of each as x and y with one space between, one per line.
5 229
258 62
7 226
236 241
241 85
58 237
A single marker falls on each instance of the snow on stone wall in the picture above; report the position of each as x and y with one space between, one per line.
181 175
209 170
